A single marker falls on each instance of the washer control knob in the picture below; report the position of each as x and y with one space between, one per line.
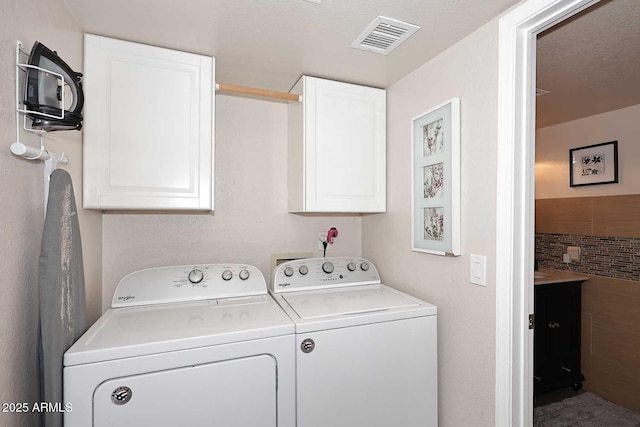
244 274
364 266
195 276
303 270
327 267
288 271
351 266
227 275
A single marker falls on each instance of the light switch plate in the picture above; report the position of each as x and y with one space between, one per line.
478 270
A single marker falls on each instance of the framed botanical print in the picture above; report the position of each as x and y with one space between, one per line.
435 195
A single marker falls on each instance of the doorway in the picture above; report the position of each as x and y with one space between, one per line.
518 30
589 63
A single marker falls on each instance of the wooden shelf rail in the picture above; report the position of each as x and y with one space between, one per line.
244 90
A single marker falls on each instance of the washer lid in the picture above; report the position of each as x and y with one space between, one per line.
345 307
346 301
139 331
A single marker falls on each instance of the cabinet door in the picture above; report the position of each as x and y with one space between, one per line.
148 135
345 147
557 335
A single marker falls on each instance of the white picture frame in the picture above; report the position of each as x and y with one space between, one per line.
435 181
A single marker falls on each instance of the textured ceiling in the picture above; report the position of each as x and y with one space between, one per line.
270 43
590 63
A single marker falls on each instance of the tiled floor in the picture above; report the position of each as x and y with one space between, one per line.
554 396
582 409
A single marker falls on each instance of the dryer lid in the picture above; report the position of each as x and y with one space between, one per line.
139 331
182 307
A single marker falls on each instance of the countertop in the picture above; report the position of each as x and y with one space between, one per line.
546 277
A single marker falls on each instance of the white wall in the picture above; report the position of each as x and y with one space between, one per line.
466 313
554 142
22 207
250 221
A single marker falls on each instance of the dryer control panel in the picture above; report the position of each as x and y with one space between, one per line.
188 283
322 273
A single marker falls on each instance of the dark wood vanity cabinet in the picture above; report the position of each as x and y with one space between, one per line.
557 336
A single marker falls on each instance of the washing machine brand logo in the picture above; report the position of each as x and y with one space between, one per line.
125 298
284 285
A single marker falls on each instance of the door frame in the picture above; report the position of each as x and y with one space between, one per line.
515 239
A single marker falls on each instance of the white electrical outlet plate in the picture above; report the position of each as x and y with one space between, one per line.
478 270
322 237
574 252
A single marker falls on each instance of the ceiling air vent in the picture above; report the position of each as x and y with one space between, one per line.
383 35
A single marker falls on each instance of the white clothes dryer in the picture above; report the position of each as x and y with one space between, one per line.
185 346
366 354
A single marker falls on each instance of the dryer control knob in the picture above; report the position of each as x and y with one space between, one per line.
195 276
364 266
244 274
227 275
327 267
303 270
351 266
288 271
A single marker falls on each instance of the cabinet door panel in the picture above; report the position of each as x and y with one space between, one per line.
345 143
148 127
343 146
557 336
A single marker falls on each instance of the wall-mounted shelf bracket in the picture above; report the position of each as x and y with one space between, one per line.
20 149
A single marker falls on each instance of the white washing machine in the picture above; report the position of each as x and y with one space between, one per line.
185 346
366 354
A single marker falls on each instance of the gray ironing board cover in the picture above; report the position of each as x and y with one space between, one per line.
61 290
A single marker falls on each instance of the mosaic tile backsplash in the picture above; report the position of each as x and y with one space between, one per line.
616 257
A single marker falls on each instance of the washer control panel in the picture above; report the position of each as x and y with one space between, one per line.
321 273
188 283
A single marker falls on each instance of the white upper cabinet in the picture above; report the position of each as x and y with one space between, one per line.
337 148
148 128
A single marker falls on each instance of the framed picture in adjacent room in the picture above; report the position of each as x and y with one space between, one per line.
435 192
594 164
